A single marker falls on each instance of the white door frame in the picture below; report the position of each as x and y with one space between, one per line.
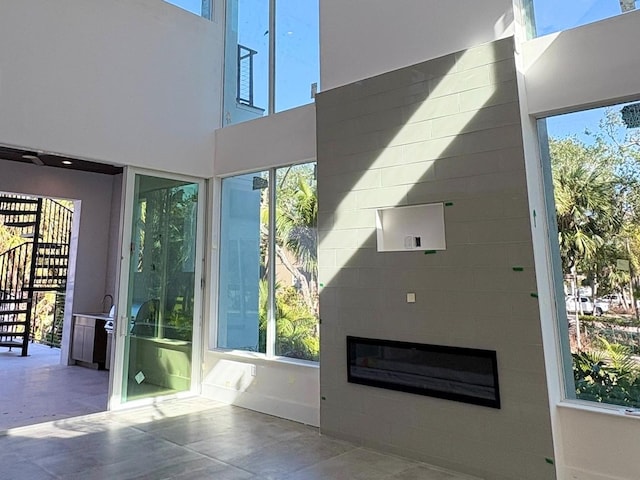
116 373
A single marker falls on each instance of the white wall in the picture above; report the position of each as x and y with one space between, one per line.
134 82
583 67
591 65
281 139
362 38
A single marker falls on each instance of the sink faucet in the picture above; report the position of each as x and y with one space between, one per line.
106 307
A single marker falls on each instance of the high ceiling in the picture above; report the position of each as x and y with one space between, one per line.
50 160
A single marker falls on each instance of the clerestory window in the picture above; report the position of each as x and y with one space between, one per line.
271 57
549 16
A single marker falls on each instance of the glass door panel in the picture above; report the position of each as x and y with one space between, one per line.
161 288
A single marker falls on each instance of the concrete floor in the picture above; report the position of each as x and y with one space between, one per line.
37 388
194 439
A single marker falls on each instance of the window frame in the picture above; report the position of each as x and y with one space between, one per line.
271 336
555 276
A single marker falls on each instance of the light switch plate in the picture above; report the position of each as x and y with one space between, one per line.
411 297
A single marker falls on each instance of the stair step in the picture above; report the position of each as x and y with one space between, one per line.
58 256
5 324
56 246
46 288
19 224
11 312
13 211
48 278
30 201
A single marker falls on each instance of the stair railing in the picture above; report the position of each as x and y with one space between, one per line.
39 265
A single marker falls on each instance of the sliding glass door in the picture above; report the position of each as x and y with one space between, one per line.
160 288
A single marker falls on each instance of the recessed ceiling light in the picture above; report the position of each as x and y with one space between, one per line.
67 162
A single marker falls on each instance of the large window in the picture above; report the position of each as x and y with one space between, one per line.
199 7
271 57
550 16
268 287
594 160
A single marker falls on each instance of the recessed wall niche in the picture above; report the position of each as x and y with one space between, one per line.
412 227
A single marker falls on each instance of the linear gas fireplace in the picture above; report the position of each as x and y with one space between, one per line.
461 374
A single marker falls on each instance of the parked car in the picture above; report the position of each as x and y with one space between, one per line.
613 299
602 306
586 306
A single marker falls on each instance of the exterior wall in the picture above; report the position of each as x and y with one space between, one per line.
592 65
130 82
362 38
446 130
285 388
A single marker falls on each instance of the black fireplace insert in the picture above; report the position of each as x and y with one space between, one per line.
454 373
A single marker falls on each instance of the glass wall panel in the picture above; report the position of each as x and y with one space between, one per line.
246 83
593 165
550 16
158 342
243 290
269 305
296 289
297 52
199 7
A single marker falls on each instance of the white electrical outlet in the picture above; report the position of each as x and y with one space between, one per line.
411 297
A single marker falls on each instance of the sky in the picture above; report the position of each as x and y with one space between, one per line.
556 15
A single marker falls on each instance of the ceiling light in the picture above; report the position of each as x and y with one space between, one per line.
67 162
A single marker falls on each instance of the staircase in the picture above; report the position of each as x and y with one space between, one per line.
39 264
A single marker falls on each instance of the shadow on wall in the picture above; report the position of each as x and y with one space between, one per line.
446 130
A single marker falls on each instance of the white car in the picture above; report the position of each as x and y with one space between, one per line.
586 306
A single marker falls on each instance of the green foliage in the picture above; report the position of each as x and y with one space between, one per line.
296 290
296 325
608 374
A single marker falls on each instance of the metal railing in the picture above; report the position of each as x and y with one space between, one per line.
31 269
244 75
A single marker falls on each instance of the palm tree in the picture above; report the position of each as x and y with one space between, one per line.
296 230
587 203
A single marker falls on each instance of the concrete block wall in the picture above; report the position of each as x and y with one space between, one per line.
446 130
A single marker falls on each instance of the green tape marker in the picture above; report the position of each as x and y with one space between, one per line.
429 252
448 204
534 295
549 461
518 269
323 398
322 284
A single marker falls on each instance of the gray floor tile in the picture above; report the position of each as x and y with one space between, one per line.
193 439
358 464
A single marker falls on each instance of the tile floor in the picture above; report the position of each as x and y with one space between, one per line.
183 439
37 388
193 439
